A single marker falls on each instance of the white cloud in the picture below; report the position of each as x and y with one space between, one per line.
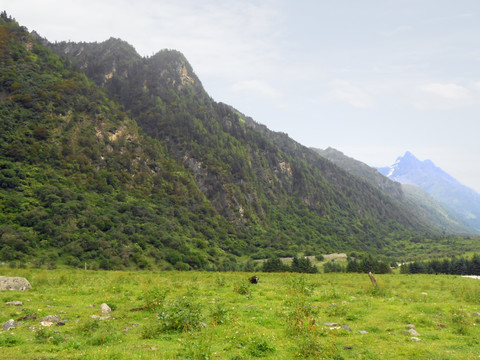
446 91
257 87
446 95
345 92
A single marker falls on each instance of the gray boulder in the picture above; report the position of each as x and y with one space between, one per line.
14 283
11 324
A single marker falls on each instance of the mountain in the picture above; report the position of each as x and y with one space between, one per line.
459 199
363 171
411 197
121 161
261 173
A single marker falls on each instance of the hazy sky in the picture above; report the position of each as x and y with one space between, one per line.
370 78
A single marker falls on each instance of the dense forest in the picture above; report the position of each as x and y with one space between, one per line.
116 161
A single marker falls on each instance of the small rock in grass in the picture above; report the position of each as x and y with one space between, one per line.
91 306
413 332
415 339
363 332
52 318
46 323
105 309
347 328
410 326
11 324
476 314
348 348
330 324
14 303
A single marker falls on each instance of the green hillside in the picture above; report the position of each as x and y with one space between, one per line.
119 161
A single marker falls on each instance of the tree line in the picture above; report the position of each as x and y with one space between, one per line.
453 266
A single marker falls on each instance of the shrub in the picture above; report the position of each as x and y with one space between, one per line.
259 347
242 289
154 299
219 313
300 286
180 315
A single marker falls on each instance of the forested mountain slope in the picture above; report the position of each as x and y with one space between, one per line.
122 161
78 180
255 164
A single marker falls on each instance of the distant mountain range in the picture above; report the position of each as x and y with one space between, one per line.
459 199
412 197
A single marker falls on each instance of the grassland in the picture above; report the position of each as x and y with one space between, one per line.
202 315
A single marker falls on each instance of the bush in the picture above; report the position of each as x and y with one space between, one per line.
154 299
219 313
242 289
180 315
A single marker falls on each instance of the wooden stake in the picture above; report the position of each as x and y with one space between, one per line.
372 279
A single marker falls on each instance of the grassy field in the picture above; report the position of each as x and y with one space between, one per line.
201 315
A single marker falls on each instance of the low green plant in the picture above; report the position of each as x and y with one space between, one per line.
154 299
182 314
45 335
89 326
197 346
242 288
219 312
300 286
10 340
260 347
106 336
302 316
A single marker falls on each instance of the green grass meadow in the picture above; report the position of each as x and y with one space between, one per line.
207 315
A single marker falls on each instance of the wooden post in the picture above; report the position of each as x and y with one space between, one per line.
372 279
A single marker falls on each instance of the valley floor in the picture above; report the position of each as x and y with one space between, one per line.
205 315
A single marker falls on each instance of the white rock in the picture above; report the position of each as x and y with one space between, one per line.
14 283
105 309
14 303
413 332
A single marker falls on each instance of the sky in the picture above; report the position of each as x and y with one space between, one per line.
371 78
